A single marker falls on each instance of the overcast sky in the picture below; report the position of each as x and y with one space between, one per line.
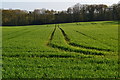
49 4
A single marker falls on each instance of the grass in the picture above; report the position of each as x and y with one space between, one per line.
85 50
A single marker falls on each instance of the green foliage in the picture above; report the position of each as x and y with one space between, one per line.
86 50
76 13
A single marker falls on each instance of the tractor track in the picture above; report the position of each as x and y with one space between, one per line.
51 37
20 34
29 51
39 56
15 32
68 49
94 39
74 50
77 45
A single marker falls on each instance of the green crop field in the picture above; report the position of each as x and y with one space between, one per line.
68 50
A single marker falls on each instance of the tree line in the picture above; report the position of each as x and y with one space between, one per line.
76 13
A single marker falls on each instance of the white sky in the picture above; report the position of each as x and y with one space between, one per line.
83 1
50 4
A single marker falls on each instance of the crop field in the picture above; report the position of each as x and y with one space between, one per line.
68 50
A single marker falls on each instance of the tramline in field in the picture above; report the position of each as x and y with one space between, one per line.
82 50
